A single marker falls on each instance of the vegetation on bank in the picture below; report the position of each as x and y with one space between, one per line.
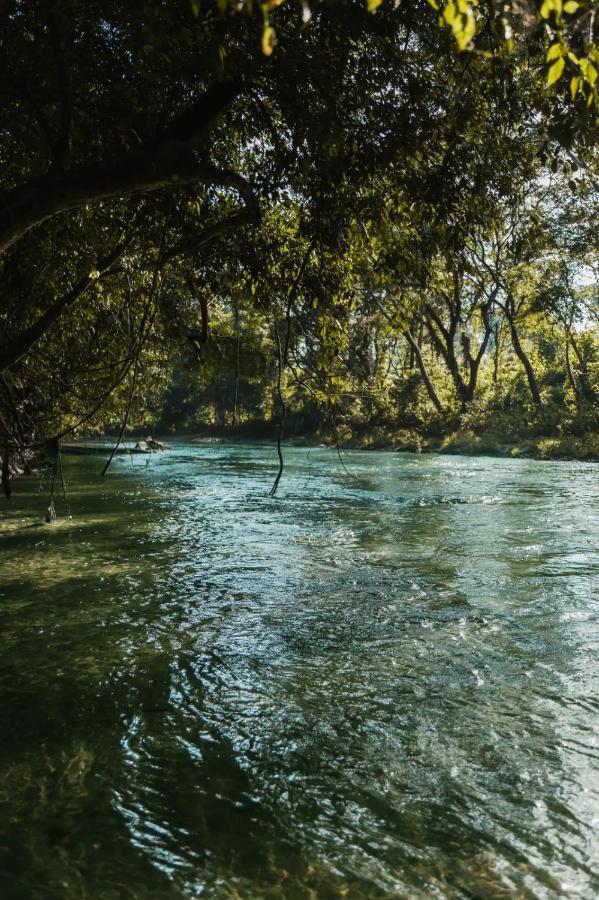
466 443
469 443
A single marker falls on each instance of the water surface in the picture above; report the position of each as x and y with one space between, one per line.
382 683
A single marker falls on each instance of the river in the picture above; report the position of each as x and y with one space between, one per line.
384 682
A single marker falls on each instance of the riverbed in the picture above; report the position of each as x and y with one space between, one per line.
383 682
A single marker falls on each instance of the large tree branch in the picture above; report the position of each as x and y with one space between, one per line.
31 335
415 346
485 310
423 371
137 173
445 348
432 314
167 161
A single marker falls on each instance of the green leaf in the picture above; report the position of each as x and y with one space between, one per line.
449 13
554 51
556 70
269 40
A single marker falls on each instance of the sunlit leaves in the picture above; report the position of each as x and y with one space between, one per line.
551 6
589 70
556 70
269 40
555 52
567 24
459 16
561 54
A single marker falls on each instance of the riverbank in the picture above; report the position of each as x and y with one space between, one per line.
568 447
466 442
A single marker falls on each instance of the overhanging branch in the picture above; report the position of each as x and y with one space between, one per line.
167 161
30 336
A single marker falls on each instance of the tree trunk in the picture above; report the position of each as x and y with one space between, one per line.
443 343
521 354
497 351
475 361
569 373
586 389
423 372
237 349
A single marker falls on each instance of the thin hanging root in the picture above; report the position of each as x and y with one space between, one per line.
283 354
64 485
51 516
337 444
273 489
125 418
51 512
237 349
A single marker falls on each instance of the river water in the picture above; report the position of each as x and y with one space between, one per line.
382 683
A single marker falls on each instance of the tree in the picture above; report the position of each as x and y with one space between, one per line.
138 136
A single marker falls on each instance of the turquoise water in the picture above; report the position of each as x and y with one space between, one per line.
382 683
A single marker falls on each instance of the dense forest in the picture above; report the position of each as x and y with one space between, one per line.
495 347
377 222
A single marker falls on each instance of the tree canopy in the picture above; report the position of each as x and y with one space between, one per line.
332 169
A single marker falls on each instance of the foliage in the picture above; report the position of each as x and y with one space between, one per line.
176 196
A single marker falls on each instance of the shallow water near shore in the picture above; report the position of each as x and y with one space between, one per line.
383 682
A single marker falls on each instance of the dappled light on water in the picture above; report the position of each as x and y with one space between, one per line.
376 685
